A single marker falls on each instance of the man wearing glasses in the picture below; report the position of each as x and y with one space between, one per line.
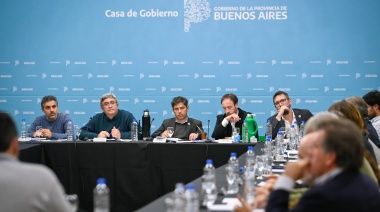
53 123
286 116
184 127
113 123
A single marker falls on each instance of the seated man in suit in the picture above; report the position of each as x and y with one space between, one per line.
233 117
53 123
25 186
334 163
184 127
286 115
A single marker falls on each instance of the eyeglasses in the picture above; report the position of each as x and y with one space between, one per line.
281 101
105 104
179 108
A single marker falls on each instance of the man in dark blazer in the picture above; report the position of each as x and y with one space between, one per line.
334 161
233 114
184 127
286 115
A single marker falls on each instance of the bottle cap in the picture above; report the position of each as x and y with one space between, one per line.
190 186
101 181
209 161
233 154
250 147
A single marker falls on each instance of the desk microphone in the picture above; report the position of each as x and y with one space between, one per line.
208 132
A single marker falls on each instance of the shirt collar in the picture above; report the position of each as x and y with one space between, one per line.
328 176
182 122
376 119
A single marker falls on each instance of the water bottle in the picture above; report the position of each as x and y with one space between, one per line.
69 130
302 130
101 196
209 189
280 146
192 198
23 130
134 131
250 158
249 185
245 132
233 174
293 138
269 129
179 199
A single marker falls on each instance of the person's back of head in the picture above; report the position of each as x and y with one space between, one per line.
343 138
359 104
8 131
349 111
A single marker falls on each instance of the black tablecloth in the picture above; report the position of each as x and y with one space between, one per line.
136 173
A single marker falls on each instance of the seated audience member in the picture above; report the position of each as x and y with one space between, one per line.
53 123
262 193
286 115
334 162
372 99
113 123
25 186
184 127
362 108
233 117
349 111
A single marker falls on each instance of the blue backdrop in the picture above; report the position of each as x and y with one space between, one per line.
147 52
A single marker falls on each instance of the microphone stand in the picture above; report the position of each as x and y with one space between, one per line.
208 132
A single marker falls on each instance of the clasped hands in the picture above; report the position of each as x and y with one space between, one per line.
115 133
44 133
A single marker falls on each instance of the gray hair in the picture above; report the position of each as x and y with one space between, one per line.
106 96
318 121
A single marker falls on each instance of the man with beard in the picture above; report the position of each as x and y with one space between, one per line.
233 117
373 105
53 124
286 116
113 123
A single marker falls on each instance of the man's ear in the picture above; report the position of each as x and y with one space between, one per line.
331 158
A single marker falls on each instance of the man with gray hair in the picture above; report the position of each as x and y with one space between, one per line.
334 162
113 123
53 123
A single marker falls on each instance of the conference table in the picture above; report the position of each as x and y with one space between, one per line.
137 173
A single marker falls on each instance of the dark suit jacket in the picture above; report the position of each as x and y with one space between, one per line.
191 127
372 132
221 132
300 114
348 191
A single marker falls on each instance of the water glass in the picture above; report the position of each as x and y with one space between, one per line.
170 131
39 131
73 200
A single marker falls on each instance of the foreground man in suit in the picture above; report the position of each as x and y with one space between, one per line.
334 161
286 115
25 187
184 127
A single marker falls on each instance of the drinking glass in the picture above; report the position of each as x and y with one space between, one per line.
73 201
39 131
78 131
260 165
170 131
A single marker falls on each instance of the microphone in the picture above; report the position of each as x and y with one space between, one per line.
208 132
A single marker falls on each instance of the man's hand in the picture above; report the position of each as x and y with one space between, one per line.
193 136
244 207
115 133
103 134
46 133
233 118
296 169
165 134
